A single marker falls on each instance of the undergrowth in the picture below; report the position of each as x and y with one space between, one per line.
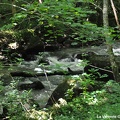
101 104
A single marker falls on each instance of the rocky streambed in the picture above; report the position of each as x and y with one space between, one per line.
50 69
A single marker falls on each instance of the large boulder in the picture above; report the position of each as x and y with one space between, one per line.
61 90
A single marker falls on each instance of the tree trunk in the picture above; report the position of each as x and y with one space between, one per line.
13 7
40 1
109 42
105 13
115 14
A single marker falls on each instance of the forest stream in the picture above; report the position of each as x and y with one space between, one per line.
50 69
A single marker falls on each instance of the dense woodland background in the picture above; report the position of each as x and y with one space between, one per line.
62 23
30 27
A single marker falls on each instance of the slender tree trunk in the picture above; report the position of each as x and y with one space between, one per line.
40 1
13 7
109 42
105 13
115 14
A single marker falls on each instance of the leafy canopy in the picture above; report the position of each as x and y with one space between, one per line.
56 19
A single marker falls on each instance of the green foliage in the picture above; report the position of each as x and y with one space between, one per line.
55 21
59 21
101 103
1 86
14 101
1 66
91 106
79 83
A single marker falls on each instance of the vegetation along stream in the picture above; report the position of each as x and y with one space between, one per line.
59 60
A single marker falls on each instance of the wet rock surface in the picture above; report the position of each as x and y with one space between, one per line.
27 85
50 69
